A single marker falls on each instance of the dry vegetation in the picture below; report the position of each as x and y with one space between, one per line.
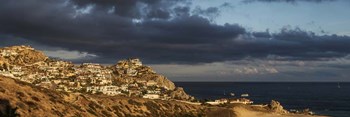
23 99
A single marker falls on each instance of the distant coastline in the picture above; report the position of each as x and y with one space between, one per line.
316 96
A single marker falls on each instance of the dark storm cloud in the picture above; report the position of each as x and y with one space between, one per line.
182 11
300 44
62 24
159 13
288 1
211 12
125 7
134 8
157 31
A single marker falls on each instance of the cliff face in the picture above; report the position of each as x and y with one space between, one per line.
133 68
180 94
160 80
21 98
275 106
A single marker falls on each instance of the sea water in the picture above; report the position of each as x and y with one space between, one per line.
332 99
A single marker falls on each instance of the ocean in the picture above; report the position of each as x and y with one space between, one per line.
332 99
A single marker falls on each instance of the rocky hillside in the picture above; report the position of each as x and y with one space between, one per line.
21 55
132 69
19 98
127 77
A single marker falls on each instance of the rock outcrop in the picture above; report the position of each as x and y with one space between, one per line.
4 65
22 55
180 94
160 80
275 106
133 68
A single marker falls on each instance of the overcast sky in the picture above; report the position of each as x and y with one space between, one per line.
191 40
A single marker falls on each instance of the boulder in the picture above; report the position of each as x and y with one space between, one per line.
275 106
4 65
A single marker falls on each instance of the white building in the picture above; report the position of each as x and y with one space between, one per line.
153 92
241 101
108 90
6 73
151 83
17 71
217 102
7 53
124 87
135 62
131 72
112 93
92 65
151 96
105 81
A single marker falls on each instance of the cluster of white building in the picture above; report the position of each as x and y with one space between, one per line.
93 74
13 51
107 90
135 89
88 77
7 53
231 101
128 67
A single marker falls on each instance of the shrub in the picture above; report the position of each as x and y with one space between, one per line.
20 94
127 107
54 100
106 113
133 102
31 104
177 107
77 115
6 110
92 106
20 105
119 114
92 112
2 90
36 98
77 107
58 113
152 107
116 108
109 109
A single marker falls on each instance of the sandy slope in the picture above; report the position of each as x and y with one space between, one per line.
242 112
